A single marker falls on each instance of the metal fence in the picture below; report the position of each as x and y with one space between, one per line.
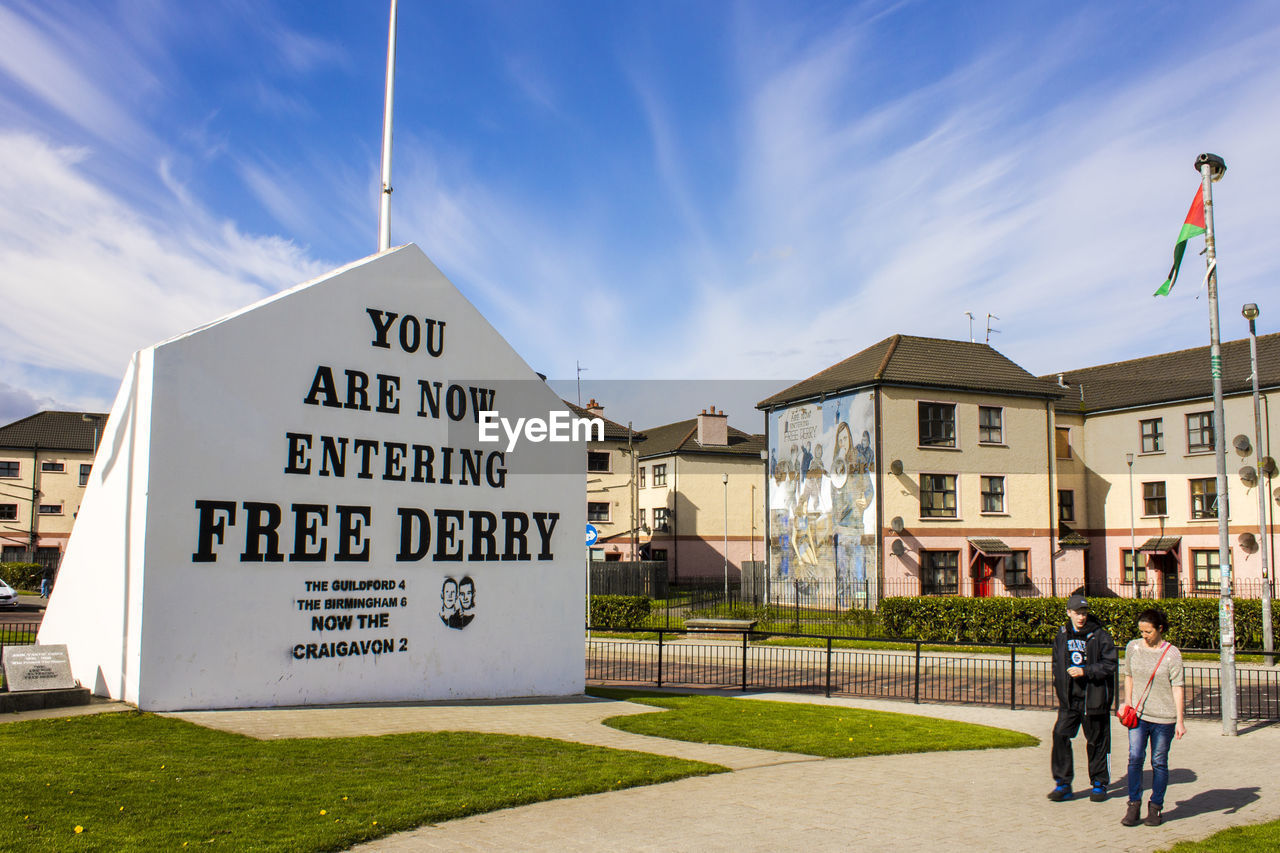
18 633
730 660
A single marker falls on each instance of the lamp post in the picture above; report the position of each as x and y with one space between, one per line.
1211 168
1133 551
725 480
1250 313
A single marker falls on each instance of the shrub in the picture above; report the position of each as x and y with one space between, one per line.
1193 622
620 612
22 575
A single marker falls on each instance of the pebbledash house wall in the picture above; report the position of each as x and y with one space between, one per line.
1024 458
1108 436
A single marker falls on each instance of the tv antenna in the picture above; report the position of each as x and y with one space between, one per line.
991 317
969 314
580 369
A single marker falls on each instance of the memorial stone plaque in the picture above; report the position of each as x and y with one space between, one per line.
37 668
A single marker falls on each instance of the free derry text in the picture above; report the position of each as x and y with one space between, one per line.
260 530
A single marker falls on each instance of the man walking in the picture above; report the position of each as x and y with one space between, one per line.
1084 670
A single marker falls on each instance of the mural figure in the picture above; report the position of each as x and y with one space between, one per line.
822 500
457 598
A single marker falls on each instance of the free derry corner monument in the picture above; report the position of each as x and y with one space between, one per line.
295 505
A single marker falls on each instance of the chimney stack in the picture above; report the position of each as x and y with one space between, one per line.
713 428
596 410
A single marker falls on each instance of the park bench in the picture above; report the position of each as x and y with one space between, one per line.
720 625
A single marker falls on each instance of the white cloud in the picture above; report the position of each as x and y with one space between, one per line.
88 280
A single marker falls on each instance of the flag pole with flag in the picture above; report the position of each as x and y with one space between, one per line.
1192 227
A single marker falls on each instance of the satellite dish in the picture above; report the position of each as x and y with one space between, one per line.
1268 466
898 548
1242 445
895 467
1249 476
1248 542
897 524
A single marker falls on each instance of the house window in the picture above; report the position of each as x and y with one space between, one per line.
1126 559
8 512
641 518
659 475
1152 435
993 494
1062 442
1153 499
1200 432
990 425
13 554
52 467
937 424
598 461
659 554
1204 498
1015 569
938 496
939 572
597 510
8 469
661 519
1205 565
1066 505
85 470
51 509
641 480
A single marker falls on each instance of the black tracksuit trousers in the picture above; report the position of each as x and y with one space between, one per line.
1097 734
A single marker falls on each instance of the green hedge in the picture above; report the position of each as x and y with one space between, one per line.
620 612
1193 622
22 575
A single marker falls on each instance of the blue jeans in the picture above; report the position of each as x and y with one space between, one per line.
1161 736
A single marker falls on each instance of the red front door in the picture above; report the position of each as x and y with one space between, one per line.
984 569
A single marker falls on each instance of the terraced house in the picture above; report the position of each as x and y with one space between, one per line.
45 463
1138 478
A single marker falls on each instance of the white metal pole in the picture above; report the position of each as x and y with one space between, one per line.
1133 551
384 207
1212 167
726 539
1268 640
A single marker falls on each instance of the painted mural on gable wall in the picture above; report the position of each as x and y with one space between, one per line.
822 501
297 504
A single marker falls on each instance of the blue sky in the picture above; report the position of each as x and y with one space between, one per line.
658 190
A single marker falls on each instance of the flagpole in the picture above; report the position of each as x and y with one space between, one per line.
1211 168
384 207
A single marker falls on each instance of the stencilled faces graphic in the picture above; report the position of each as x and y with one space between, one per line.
457 602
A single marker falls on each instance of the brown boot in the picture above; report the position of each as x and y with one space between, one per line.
1153 814
1133 816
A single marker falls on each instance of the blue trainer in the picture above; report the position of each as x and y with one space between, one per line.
1060 793
1099 792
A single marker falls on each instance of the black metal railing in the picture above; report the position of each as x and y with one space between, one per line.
18 633
732 659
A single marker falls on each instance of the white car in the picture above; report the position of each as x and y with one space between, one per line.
8 598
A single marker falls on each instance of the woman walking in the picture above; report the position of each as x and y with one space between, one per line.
1154 667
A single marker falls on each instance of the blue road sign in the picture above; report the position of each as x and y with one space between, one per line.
592 535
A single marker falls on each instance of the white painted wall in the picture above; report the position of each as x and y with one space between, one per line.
204 417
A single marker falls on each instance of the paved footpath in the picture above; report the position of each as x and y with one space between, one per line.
981 800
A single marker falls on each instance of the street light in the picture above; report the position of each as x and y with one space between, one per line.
725 480
1250 313
1133 552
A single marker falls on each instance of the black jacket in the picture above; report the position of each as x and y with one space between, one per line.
1100 665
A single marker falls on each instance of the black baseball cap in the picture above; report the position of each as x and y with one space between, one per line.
1077 602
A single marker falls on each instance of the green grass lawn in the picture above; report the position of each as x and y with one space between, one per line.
135 781
1259 838
825 730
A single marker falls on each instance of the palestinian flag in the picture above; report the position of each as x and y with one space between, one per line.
1193 226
